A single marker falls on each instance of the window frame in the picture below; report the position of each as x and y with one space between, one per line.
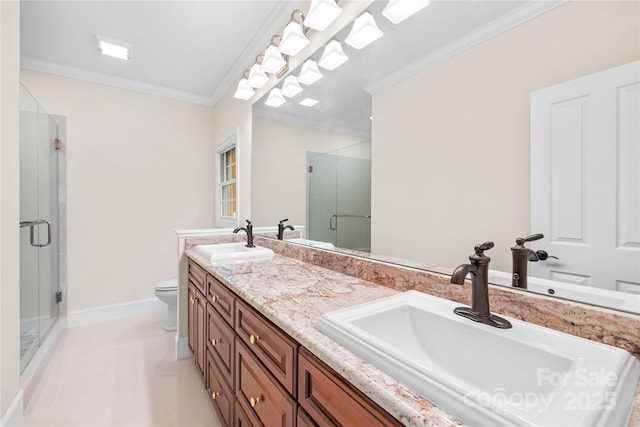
229 142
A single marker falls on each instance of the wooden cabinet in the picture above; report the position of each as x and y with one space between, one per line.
221 342
221 393
275 349
260 395
197 326
331 401
257 375
221 298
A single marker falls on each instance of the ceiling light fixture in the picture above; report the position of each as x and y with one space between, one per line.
275 98
257 77
273 60
333 56
364 31
293 38
114 48
321 14
309 102
309 73
399 10
291 87
244 90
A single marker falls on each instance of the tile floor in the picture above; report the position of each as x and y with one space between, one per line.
120 373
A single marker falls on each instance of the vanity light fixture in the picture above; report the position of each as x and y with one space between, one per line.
309 102
333 56
399 10
114 48
291 87
273 60
364 31
275 98
321 14
244 90
257 77
309 73
293 38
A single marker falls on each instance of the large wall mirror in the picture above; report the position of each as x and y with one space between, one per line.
437 116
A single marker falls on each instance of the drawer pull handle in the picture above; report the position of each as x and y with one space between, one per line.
214 298
253 339
254 401
214 395
214 342
193 300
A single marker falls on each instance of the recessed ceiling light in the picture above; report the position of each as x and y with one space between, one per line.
114 48
309 102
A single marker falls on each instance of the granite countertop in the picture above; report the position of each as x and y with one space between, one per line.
293 294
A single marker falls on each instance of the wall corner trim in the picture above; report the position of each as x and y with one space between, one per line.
13 416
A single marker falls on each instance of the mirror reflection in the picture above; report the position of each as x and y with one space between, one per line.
450 101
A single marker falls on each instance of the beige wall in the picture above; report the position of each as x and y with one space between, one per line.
280 149
138 168
451 144
9 205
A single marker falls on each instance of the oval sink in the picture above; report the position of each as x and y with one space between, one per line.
527 375
231 252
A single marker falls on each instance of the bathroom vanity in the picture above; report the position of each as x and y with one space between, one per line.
252 334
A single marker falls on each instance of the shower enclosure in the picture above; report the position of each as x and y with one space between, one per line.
39 247
339 197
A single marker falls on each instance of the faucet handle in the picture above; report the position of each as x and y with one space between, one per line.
522 240
248 222
282 221
480 248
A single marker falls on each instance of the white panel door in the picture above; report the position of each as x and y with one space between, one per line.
585 179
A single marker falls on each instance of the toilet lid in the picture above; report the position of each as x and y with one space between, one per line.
168 285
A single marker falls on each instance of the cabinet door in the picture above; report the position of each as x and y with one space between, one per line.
200 320
260 395
221 341
331 401
241 419
273 347
191 309
222 298
219 392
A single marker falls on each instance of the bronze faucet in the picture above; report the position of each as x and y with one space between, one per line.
282 227
249 230
479 269
521 257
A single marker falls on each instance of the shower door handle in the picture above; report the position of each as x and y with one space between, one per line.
331 226
32 225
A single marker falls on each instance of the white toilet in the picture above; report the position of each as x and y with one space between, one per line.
168 293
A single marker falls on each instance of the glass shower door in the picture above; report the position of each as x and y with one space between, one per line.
38 233
339 197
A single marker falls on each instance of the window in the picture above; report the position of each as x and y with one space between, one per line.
227 182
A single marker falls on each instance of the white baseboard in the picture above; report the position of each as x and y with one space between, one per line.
13 416
114 311
182 348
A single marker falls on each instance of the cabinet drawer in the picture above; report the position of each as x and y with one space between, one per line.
304 420
273 347
259 394
331 401
198 276
242 419
219 391
221 297
221 342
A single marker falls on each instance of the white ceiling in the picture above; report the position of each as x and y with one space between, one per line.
189 50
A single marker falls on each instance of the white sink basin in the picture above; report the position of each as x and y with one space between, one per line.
603 297
527 375
312 243
232 252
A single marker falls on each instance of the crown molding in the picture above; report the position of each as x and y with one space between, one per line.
278 17
104 79
284 117
508 21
